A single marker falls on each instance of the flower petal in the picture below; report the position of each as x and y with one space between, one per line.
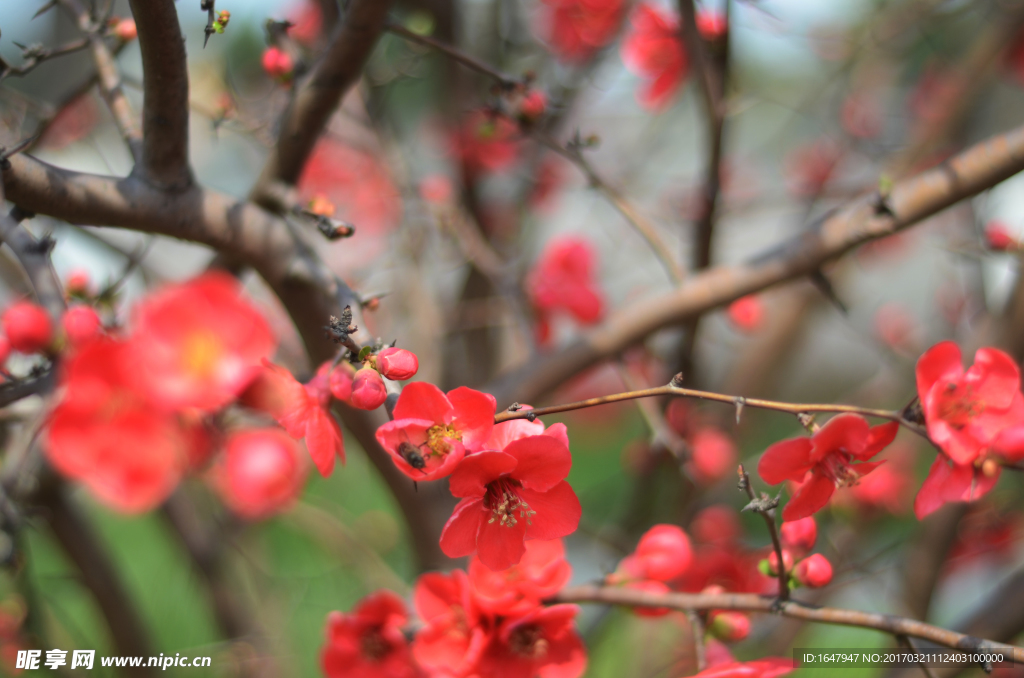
878 438
542 461
995 376
458 538
422 400
847 432
323 440
557 514
941 362
471 476
785 460
499 547
473 414
810 498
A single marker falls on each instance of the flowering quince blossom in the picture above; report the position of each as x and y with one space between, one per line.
509 496
563 280
542 642
542 572
369 642
262 472
965 410
81 324
814 571
799 535
442 428
663 553
102 433
278 64
576 29
199 343
654 51
452 636
301 409
824 461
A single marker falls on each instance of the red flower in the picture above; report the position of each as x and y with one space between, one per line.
451 640
508 431
948 481
368 390
485 143
654 51
964 411
441 428
278 64
828 455
307 22
369 643
889 487
302 410
711 24
747 313
769 667
541 573
563 280
814 571
713 455
799 535
578 28
664 553
199 343
261 474
508 497
895 326
28 327
543 642
104 434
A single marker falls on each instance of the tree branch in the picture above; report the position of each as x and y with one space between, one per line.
913 199
165 95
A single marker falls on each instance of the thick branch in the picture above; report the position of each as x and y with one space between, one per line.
320 94
165 95
976 169
750 602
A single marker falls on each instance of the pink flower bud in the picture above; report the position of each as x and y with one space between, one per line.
729 626
714 455
773 562
28 327
125 30
799 535
277 63
663 554
78 283
397 364
368 392
341 382
81 324
533 105
262 473
747 313
997 236
814 571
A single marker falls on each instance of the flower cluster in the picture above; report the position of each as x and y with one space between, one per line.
577 29
510 476
563 281
477 623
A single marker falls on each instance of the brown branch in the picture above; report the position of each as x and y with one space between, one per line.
34 257
766 508
165 95
912 200
750 602
318 96
34 56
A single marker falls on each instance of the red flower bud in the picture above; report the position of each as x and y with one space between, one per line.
81 324
773 562
533 105
729 626
799 535
125 30
814 572
28 327
368 392
397 364
277 63
747 313
77 283
341 382
997 237
663 553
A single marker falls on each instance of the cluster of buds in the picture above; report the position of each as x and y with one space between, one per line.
221 22
361 384
28 329
798 538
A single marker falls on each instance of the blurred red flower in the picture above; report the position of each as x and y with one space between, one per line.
654 51
713 455
576 29
369 642
541 573
543 642
769 667
485 143
563 280
451 639
747 313
663 553
261 473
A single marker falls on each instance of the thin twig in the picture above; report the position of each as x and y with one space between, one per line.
34 56
697 629
766 507
505 80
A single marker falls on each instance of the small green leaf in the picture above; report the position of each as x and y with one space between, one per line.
364 352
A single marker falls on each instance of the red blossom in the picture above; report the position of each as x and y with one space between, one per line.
485 143
771 563
72 123
965 410
397 364
576 29
301 410
451 639
81 324
28 327
711 24
104 433
713 455
340 381
442 428
824 461
369 642
887 488
262 472
814 571
948 481
543 642
747 313
799 535
769 667
199 343
654 51
278 64
307 22
563 280
664 553
507 431
508 497
368 390
541 573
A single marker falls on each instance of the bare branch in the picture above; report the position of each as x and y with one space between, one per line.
974 170
35 55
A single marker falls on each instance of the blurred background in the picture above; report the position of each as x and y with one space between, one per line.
826 100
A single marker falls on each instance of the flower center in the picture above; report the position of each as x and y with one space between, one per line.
438 435
959 405
528 641
836 467
201 354
373 645
504 502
